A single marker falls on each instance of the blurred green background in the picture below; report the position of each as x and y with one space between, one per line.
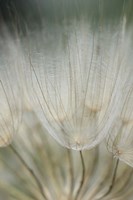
32 12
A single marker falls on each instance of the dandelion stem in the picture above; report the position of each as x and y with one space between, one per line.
113 180
71 173
83 176
30 171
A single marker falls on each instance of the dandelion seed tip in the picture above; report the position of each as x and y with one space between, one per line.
118 152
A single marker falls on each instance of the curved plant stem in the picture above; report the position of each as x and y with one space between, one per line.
113 180
30 171
83 176
71 173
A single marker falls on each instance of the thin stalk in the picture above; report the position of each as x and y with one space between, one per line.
32 173
83 176
71 174
113 179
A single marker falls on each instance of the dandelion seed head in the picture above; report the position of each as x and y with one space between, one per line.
76 88
120 138
75 80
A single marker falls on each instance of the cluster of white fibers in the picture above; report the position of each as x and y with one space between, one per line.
75 76
10 87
